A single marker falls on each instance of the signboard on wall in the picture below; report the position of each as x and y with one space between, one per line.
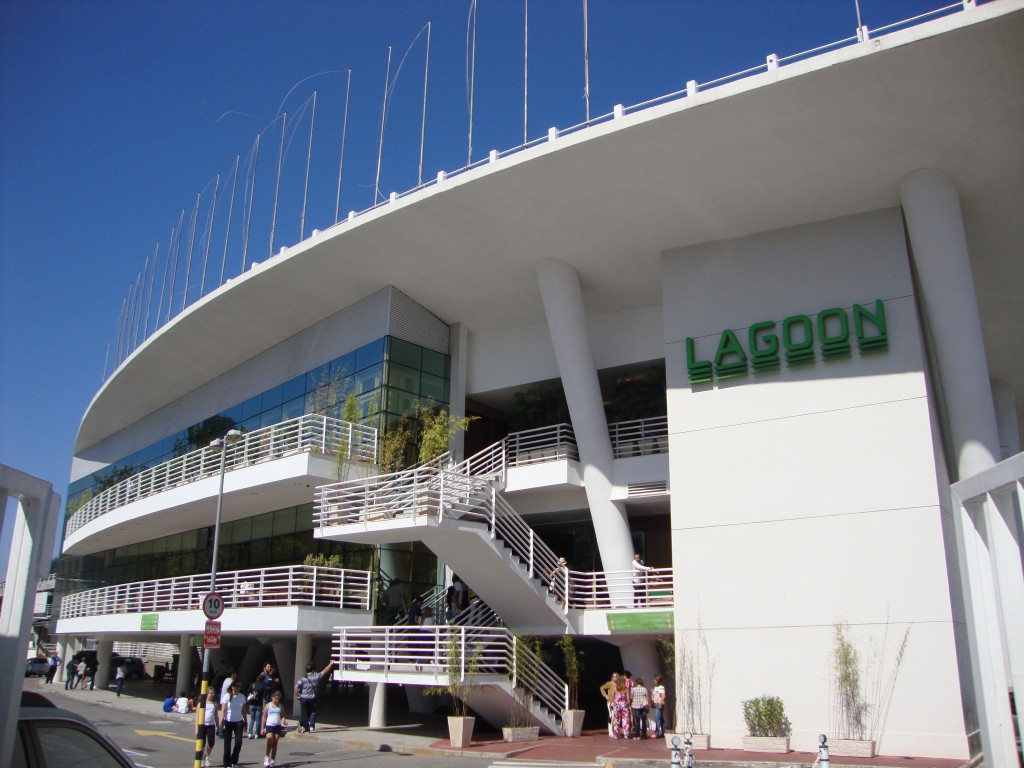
798 339
648 621
149 621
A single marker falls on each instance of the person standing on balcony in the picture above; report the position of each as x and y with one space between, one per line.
233 721
451 605
307 689
558 581
640 576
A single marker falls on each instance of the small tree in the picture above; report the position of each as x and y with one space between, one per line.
571 661
437 428
393 445
320 560
766 716
848 702
527 650
350 414
460 670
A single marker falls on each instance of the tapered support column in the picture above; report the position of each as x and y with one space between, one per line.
378 705
567 323
302 651
104 649
931 208
63 650
184 680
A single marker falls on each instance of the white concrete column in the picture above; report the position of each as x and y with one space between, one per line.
62 651
458 349
567 324
931 206
252 665
285 657
303 655
1006 419
640 658
104 649
378 705
183 682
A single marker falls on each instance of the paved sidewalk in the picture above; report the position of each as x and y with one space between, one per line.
340 719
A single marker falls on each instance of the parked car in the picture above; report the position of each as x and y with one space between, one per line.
37 665
135 667
48 736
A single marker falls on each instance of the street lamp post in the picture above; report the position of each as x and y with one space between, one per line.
233 436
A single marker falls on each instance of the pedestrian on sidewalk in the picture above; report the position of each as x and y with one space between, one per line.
233 722
641 703
255 700
119 677
658 700
55 662
272 723
308 690
210 726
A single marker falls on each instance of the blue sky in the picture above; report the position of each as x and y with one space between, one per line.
115 114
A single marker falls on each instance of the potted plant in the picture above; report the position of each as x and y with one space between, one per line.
851 735
572 718
693 673
462 666
767 725
521 725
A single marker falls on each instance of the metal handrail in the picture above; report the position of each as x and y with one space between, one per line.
451 652
308 433
640 437
608 590
305 585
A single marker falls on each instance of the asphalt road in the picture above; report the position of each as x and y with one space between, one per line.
168 743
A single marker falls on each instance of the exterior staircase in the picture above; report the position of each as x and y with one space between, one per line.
466 522
500 673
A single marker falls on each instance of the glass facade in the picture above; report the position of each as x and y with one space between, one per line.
388 378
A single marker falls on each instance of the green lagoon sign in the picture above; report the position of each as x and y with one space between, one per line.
799 338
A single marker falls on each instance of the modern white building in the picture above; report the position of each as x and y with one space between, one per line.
785 312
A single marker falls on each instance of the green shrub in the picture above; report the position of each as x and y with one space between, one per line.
766 716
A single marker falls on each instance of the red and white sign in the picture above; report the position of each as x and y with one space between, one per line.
212 637
213 606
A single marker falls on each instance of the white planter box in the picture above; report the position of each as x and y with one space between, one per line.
697 740
851 748
460 731
572 722
766 744
520 734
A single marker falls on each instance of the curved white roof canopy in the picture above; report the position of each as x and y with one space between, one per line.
814 140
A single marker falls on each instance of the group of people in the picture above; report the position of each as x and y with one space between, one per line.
234 716
630 704
76 672
455 601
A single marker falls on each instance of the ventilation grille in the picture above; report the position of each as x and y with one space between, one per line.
640 490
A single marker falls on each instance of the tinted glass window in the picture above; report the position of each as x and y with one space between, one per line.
403 352
370 354
68 747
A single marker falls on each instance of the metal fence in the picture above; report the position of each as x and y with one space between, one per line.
304 434
305 585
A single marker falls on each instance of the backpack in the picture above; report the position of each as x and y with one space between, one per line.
255 696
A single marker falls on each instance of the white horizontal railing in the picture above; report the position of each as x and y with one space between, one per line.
305 585
536 446
641 437
309 433
442 494
607 590
451 652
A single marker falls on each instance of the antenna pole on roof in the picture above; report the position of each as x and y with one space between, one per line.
209 235
149 293
471 78
309 156
277 183
252 194
586 60
383 117
227 229
191 242
344 130
423 122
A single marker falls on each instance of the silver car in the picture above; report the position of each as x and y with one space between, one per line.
37 665
49 737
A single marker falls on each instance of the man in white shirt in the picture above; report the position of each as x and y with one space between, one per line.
639 580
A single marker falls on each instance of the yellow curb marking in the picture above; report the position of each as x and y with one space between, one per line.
166 735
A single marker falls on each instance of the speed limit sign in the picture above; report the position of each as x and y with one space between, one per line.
213 606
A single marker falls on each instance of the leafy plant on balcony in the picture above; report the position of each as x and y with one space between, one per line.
394 445
437 428
349 414
320 560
